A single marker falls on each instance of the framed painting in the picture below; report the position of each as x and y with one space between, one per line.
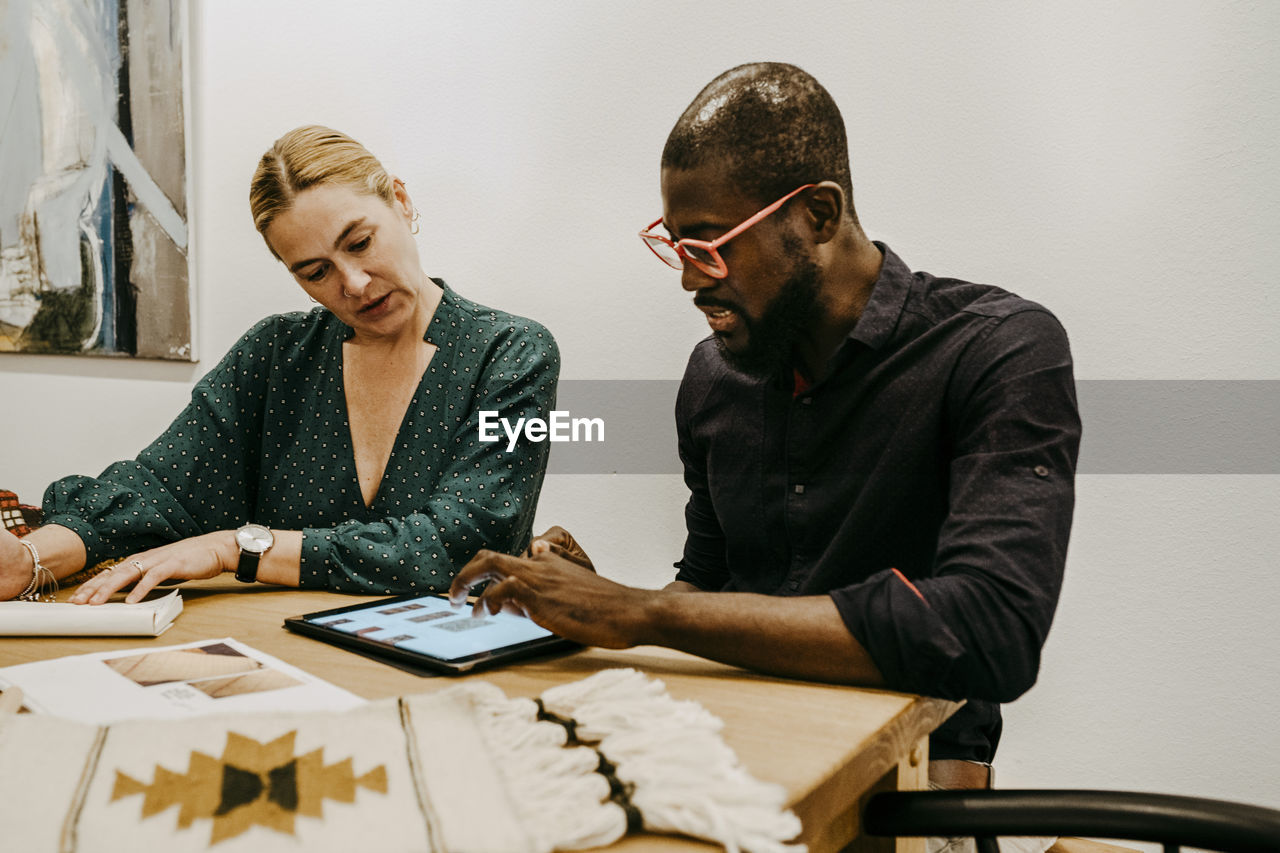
94 248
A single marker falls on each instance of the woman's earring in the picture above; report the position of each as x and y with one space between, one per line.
313 299
414 227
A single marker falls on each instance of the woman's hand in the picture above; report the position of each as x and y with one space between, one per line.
15 566
204 556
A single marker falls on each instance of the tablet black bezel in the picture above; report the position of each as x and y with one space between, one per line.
458 666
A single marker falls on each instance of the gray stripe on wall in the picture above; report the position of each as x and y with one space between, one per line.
1179 426
1131 426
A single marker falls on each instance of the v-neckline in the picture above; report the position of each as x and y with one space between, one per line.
439 333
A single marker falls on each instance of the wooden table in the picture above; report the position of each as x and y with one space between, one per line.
830 747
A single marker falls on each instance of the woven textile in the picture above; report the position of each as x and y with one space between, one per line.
465 769
17 517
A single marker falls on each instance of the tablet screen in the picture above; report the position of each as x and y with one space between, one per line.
431 626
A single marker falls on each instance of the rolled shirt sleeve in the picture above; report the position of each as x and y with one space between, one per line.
973 626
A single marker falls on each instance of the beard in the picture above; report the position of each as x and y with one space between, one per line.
771 337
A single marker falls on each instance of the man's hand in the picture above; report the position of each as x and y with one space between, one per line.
204 556
559 541
556 586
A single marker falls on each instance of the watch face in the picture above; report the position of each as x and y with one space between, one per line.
254 538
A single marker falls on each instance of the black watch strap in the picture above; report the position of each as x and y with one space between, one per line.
247 568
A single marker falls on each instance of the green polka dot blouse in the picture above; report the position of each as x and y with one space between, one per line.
266 439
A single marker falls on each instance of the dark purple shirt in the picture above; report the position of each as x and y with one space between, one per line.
942 444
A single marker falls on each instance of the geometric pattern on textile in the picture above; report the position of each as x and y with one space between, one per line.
252 783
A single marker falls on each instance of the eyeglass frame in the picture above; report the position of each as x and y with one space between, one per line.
711 247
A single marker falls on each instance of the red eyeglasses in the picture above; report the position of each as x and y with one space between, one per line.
704 254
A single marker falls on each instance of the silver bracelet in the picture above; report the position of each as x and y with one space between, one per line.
43 586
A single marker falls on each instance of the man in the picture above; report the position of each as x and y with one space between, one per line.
880 462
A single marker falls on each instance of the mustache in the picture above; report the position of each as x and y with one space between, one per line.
712 302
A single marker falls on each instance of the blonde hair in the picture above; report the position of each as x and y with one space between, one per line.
307 156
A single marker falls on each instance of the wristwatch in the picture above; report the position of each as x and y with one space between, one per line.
254 541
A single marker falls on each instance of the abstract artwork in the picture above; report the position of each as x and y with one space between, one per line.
93 178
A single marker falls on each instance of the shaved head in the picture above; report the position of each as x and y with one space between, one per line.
771 125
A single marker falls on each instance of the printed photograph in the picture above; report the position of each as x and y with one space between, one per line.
259 681
215 669
208 661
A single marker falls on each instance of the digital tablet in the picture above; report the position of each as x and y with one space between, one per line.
427 631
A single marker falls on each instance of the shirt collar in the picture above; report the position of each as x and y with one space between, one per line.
888 297
444 324
442 329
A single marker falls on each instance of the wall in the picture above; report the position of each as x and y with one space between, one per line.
1116 162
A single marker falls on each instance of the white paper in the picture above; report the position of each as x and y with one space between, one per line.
170 682
115 618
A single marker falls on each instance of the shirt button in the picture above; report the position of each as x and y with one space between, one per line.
793 585
1041 471
799 489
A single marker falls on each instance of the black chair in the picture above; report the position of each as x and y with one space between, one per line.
1170 820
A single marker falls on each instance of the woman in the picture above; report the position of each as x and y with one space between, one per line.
336 449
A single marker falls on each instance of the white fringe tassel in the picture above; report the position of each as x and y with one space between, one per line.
559 798
686 779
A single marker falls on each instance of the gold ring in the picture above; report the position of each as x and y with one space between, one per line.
138 566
